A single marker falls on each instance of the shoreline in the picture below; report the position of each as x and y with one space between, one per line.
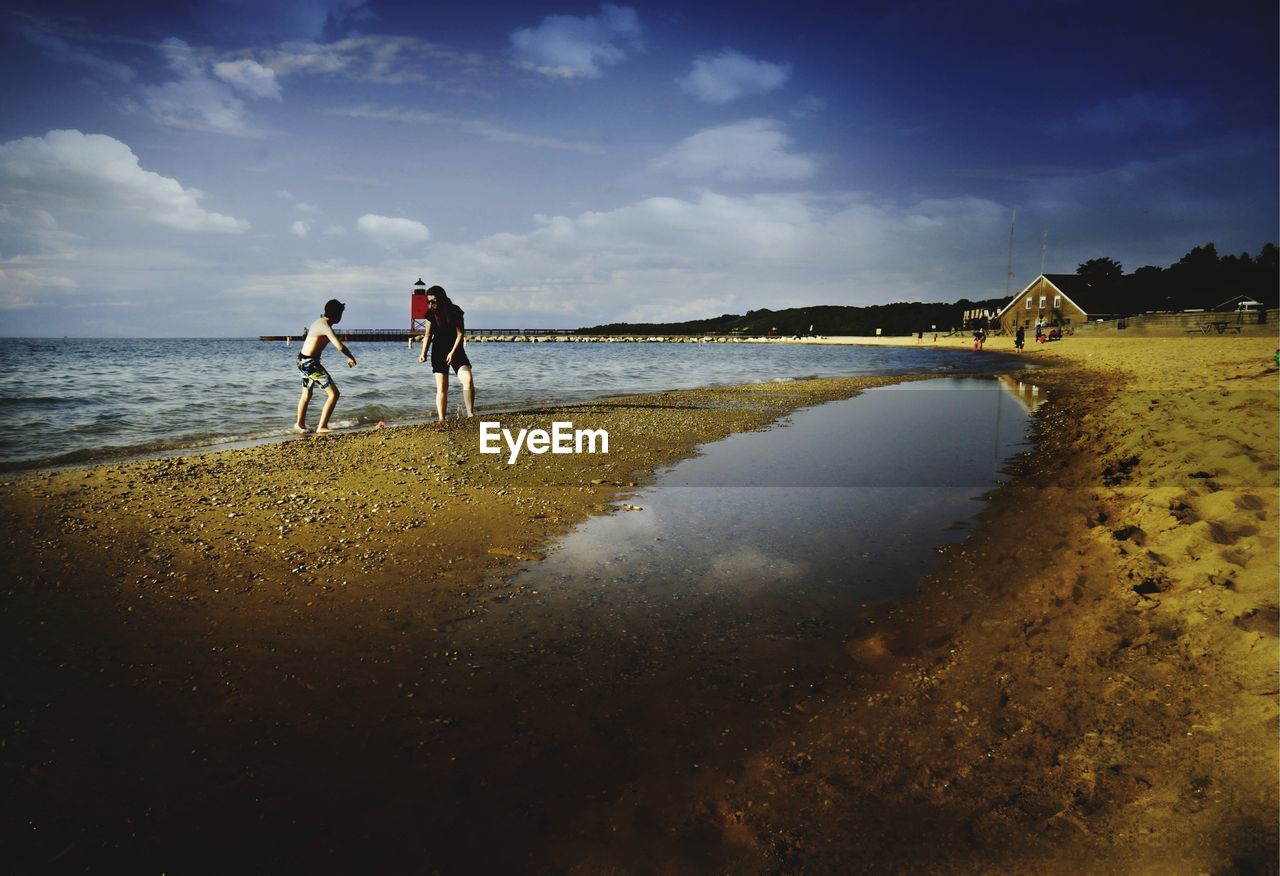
106 558
354 414
228 444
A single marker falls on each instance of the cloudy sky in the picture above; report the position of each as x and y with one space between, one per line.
221 167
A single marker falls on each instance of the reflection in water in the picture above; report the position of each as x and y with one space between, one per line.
1028 394
657 647
848 499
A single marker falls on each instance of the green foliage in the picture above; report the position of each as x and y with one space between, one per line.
1103 269
1202 279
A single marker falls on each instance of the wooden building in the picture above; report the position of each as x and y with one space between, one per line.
1059 300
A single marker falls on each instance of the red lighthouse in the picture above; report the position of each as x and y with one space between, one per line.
418 307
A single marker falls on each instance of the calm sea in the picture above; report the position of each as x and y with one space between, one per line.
68 401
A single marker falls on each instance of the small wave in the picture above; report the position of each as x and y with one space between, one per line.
238 439
82 455
144 449
362 414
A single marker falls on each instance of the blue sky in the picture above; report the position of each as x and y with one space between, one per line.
222 167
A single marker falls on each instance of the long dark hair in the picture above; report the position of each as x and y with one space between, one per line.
447 313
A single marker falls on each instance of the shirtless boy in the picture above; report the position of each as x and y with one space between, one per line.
320 335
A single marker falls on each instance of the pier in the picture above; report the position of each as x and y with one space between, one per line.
403 335
534 336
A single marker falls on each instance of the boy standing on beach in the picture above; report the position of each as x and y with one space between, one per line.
320 335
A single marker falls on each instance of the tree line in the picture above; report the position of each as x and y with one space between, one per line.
1200 279
892 319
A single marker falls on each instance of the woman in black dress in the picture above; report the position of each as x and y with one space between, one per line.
445 337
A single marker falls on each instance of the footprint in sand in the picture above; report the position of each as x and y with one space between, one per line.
1181 511
1263 619
1222 534
1254 504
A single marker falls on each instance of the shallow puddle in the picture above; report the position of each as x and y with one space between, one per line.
656 647
847 499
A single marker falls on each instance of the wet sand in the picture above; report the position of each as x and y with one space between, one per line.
263 658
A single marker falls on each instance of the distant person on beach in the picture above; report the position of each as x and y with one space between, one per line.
318 336
445 337
979 338
1019 338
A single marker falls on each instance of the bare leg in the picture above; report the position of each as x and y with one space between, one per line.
329 404
468 389
442 394
300 424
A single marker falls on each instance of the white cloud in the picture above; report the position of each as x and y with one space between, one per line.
392 232
388 60
97 173
649 260
565 46
199 104
670 258
755 149
194 100
307 59
180 57
471 126
250 77
300 229
32 246
31 231
729 75
284 299
24 287
46 272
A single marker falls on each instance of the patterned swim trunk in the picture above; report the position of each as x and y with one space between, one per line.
313 373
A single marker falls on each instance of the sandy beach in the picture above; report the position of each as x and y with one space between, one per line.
265 658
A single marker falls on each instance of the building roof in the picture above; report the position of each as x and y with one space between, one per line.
1231 303
1093 295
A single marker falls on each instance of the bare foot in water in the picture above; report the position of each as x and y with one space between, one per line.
325 431
301 430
